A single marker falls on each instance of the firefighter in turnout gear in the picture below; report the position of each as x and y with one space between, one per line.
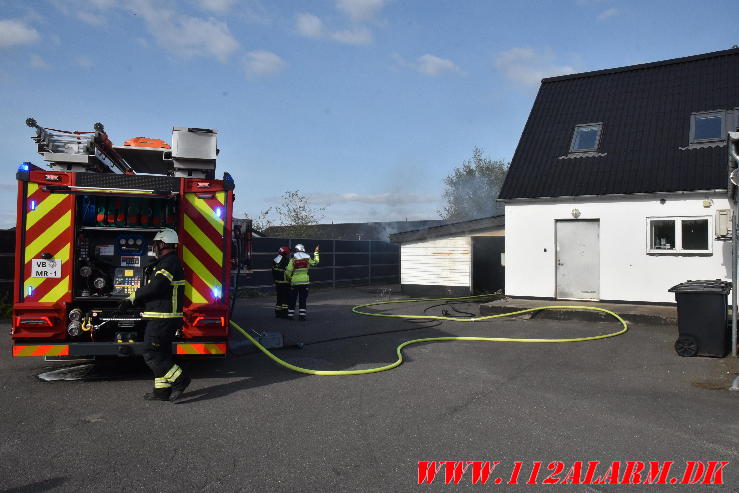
297 273
161 300
282 285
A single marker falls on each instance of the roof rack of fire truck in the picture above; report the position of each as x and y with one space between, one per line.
67 150
192 153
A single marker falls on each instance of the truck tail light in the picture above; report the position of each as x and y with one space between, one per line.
33 322
209 322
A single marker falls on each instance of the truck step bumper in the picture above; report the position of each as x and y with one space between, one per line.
84 349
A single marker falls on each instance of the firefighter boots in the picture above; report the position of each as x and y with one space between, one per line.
179 386
158 395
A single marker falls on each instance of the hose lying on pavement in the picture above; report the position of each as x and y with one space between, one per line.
399 349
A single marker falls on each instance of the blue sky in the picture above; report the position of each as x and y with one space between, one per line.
363 105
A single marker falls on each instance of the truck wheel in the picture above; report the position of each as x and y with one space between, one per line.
686 346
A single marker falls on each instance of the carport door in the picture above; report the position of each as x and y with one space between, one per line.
488 275
578 260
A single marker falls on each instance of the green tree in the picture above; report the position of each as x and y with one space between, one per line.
471 189
295 213
262 221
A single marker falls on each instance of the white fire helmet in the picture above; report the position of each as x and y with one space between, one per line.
299 248
168 236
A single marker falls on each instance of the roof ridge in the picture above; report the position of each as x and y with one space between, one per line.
628 68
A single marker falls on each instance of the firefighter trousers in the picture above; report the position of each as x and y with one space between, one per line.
158 337
298 294
283 298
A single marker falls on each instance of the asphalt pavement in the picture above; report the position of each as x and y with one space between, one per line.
247 424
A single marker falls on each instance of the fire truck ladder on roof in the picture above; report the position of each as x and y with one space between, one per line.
89 151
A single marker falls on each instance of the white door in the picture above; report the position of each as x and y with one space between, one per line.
578 259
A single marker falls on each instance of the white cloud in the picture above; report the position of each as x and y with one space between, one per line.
358 36
434 66
182 35
38 62
608 13
527 67
309 25
262 64
14 32
217 6
186 36
390 199
360 10
430 65
103 4
91 18
91 12
191 36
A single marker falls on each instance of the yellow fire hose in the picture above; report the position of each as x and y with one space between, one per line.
399 349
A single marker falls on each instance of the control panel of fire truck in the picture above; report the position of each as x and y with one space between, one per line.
111 263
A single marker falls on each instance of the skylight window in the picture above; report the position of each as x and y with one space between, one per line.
707 126
586 137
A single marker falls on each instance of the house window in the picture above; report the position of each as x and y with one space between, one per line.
679 235
586 137
707 126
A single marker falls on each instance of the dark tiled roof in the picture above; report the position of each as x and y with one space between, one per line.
645 110
461 228
378 231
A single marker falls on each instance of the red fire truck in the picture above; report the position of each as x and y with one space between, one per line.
84 240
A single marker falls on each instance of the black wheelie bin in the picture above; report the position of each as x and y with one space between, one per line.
702 318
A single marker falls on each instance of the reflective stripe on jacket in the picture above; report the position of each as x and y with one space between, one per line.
297 270
163 295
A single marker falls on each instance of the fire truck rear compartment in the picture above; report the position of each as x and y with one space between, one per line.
113 249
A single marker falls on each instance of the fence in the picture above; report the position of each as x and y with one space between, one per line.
7 264
343 262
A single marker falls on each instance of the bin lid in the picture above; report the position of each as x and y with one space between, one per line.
707 286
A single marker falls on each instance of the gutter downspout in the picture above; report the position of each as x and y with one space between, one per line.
733 166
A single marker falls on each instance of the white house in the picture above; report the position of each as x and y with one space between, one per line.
618 187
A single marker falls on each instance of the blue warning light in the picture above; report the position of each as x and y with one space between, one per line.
24 167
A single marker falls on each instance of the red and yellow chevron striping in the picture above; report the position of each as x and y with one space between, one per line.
42 350
201 349
203 247
48 230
